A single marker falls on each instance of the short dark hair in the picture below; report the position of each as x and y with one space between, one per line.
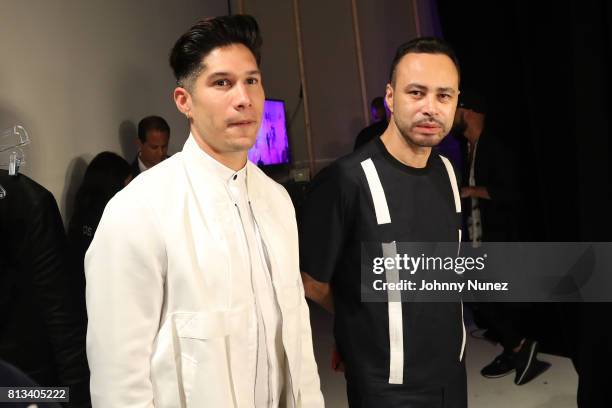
104 177
473 100
422 45
152 123
210 33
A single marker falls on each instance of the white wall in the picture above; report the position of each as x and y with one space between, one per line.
331 64
279 66
384 26
79 75
330 52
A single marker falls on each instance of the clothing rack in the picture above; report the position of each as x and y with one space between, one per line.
12 140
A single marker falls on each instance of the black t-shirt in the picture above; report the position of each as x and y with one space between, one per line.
337 216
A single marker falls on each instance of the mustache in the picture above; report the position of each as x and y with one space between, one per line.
428 121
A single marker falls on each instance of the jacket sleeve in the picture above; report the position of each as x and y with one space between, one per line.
45 260
125 267
310 395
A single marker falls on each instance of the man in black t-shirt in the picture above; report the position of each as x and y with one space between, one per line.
394 189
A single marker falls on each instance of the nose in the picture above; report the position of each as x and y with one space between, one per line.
243 99
430 107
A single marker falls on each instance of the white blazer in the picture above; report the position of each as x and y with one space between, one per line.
166 321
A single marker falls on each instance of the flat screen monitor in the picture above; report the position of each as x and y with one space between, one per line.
272 144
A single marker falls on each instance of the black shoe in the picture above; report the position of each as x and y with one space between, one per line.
503 365
528 366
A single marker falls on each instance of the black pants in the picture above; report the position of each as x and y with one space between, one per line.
503 319
593 357
381 394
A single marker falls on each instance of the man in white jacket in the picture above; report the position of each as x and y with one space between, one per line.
193 286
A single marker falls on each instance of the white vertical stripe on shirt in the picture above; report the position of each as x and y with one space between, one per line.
453 181
396 329
396 326
378 194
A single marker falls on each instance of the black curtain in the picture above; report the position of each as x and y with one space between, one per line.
544 67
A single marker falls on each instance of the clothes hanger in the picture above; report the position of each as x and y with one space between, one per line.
11 153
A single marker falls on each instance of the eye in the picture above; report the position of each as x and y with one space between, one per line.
222 83
416 93
445 97
252 81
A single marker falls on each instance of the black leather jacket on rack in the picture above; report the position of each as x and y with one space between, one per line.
42 320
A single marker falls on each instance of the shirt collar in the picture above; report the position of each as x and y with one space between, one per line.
228 176
201 167
141 165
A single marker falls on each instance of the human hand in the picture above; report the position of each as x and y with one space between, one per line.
336 361
467 191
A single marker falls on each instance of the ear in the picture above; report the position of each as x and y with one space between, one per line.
182 99
389 97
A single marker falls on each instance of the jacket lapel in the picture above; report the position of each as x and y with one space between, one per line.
208 215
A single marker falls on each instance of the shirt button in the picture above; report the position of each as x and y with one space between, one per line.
235 176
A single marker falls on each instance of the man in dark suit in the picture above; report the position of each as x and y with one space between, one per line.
153 137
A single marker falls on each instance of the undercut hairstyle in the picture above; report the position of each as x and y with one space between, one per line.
189 51
152 123
422 45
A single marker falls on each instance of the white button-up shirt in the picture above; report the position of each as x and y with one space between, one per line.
267 347
141 165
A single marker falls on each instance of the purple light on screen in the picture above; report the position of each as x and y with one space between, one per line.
272 144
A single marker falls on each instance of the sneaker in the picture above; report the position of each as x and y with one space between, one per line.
528 366
503 365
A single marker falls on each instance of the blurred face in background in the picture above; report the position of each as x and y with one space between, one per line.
155 147
459 124
378 113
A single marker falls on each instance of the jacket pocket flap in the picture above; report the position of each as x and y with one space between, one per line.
208 325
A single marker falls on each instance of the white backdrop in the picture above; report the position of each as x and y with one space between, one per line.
79 75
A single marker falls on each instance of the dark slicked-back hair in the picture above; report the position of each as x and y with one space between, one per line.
152 123
422 45
192 47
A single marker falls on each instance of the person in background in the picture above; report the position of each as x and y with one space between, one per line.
380 119
153 137
489 191
105 176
